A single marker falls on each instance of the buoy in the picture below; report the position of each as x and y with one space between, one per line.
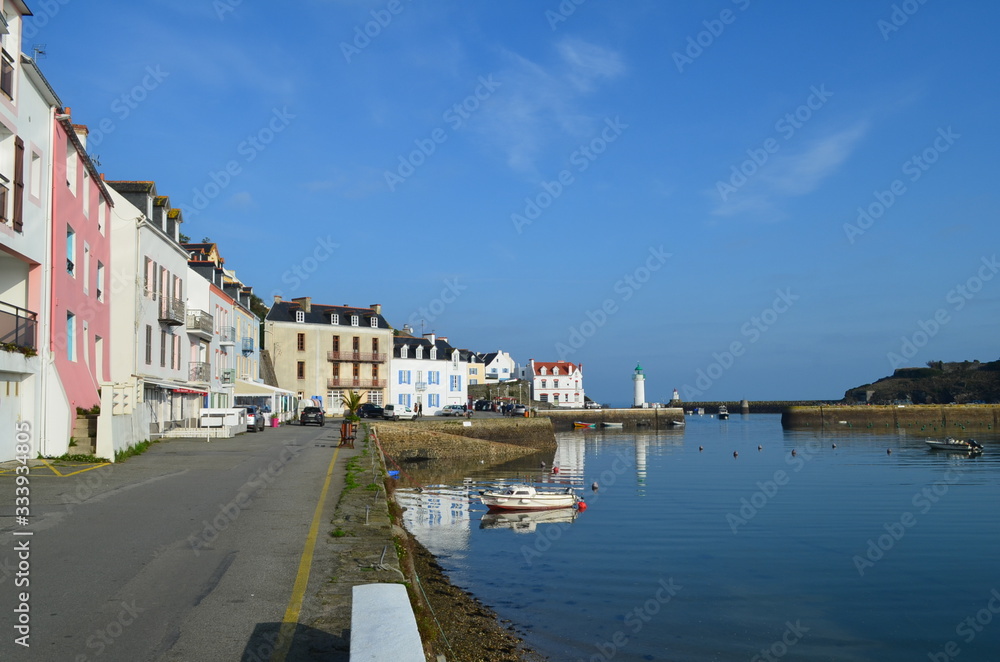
581 505
793 451
701 448
736 454
835 445
555 470
759 447
594 486
888 451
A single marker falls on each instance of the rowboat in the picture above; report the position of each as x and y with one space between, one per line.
952 444
526 497
578 424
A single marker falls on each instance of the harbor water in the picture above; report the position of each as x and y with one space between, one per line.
697 545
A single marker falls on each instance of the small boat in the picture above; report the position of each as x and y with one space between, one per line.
578 424
613 425
677 422
526 497
952 444
723 413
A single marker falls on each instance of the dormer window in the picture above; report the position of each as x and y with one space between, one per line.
300 316
334 318
555 371
434 353
355 320
543 371
374 322
404 351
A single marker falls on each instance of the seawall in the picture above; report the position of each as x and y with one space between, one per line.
930 419
630 418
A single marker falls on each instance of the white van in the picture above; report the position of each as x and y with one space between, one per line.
396 412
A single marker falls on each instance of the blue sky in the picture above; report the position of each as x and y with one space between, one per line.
675 184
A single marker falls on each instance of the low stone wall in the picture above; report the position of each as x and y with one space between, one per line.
494 439
938 419
534 433
630 418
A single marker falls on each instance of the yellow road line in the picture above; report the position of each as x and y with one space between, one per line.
291 619
55 472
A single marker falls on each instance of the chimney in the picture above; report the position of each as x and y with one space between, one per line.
377 307
81 133
305 302
444 338
277 298
431 337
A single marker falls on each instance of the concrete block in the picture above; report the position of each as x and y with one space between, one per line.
383 627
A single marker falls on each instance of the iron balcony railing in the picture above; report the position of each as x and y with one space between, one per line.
199 371
171 311
420 386
354 382
18 326
227 335
367 357
199 322
248 345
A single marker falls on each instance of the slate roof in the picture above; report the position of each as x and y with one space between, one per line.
284 311
444 350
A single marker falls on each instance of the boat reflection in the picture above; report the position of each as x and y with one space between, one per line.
527 522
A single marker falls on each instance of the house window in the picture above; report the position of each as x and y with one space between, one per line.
300 316
356 344
86 193
149 279
175 353
35 185
555 371
434 353
71 336
544 397
405 399
102 211
7 75
375 397
374 347
149 345
434 400
434 377
70 251
404 351
374 322
455 383
355 321
301 342
404 376
71 161
100 281
163 349
543 371
420 352
300 370
336 343
555 397
555 383
544 383
334 318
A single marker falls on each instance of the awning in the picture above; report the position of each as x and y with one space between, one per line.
257 388
188 390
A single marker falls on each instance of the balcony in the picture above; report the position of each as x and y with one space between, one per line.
420 386
228 376
367 357
171 311
227 335
18 326
199 323
248 345
354 382
199 372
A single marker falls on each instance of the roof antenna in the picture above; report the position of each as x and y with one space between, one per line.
38 50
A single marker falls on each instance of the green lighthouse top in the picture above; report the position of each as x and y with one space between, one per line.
638 369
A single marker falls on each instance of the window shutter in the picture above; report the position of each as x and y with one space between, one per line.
18 184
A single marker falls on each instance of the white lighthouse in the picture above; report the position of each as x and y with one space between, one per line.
639 400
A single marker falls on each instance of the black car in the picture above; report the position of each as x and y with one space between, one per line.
312 415
369 410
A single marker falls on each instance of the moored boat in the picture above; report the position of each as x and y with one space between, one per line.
723 413
580 424
952 444
612 425
526 497
677 422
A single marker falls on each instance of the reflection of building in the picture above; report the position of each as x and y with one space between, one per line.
439 518
570 457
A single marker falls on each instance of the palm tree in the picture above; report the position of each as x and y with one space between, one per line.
351 401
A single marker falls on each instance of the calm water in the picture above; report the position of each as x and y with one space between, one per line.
845 553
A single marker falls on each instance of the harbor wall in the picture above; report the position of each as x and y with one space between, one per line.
931 419
659 417
529 432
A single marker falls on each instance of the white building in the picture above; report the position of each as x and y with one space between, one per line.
151 390
559 383
499 367
427 371
27 109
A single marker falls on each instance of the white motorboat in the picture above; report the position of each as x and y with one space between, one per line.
723 413
952 444
612 425
526 497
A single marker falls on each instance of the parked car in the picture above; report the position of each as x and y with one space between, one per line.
312 415
518 410
255 418
590 404
396 412
369 410
451 410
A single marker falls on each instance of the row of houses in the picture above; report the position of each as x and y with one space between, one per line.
322 351
104 306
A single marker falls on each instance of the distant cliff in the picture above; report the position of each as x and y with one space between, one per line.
938 383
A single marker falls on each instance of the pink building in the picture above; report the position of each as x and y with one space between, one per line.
80 339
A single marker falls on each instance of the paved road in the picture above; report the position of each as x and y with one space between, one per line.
187 552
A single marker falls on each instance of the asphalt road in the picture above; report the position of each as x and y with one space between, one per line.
187 552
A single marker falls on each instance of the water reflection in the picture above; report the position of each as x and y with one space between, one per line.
527 522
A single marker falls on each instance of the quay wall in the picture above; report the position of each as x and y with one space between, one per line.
529 432
630 418
939 419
